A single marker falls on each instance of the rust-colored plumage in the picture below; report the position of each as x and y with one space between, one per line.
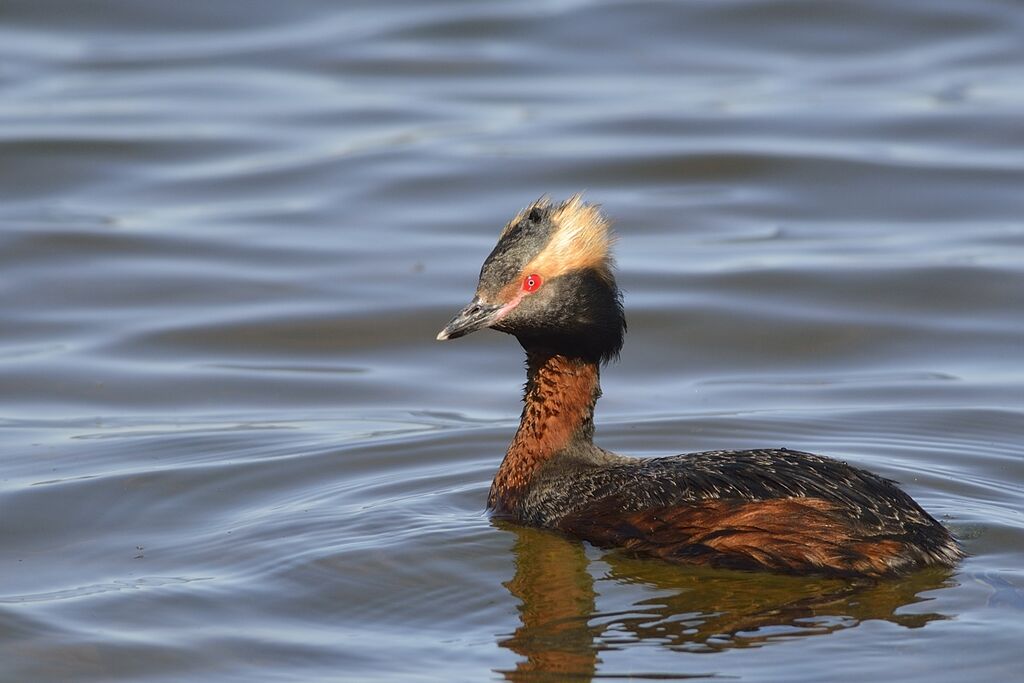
795 534
559 404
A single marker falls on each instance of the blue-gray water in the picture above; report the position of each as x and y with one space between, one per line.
231 450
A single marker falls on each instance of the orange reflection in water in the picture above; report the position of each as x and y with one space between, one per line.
563 631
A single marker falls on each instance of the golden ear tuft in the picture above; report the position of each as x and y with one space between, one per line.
581 239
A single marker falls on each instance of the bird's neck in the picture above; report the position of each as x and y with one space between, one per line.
558 417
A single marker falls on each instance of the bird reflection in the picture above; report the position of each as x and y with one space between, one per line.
562 632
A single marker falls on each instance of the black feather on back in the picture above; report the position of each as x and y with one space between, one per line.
877 504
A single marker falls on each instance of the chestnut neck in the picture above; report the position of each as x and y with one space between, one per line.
558 416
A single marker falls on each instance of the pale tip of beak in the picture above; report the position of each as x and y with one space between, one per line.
441 336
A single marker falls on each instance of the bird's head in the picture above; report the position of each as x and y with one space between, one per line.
549 281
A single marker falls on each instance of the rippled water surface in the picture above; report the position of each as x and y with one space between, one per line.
231 450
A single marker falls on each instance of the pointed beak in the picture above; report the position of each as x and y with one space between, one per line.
473 317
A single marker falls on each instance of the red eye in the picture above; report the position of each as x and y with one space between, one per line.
531 283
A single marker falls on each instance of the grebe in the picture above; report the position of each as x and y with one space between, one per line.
549 282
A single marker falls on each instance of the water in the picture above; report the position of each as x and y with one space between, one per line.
230 449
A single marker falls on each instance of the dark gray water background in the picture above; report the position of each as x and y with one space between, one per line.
231 450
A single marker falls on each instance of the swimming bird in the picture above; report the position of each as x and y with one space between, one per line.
550 282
